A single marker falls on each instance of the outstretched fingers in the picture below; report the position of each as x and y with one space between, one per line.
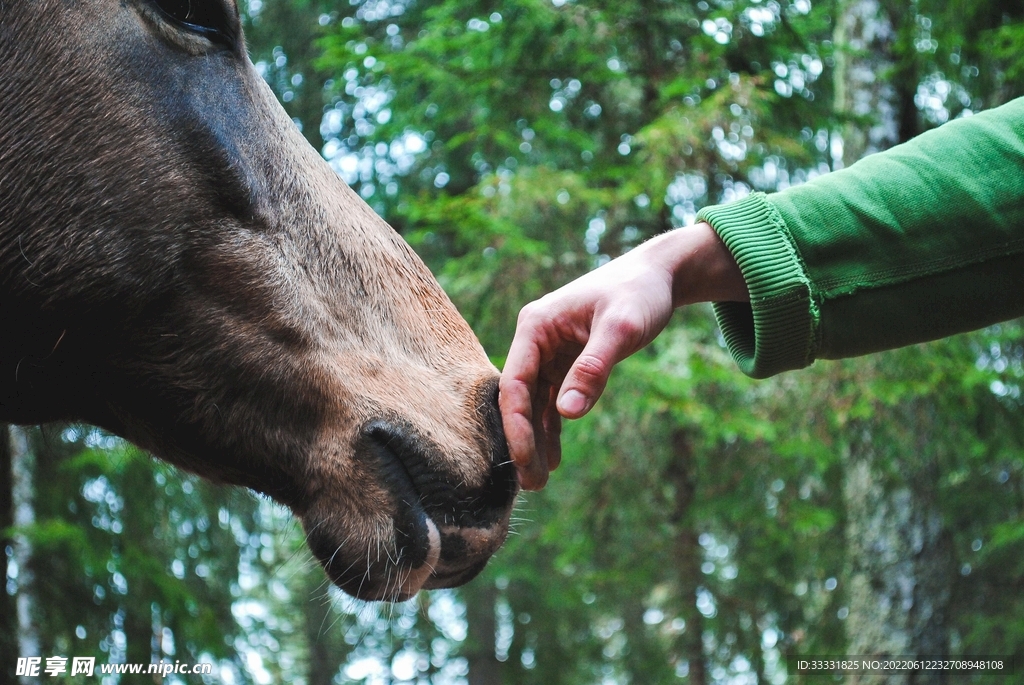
516 404
522 412
555 371
567 343
612 339
541 353
552 431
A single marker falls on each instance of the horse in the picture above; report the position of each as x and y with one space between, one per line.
180 267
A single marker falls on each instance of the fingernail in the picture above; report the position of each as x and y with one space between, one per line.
572 402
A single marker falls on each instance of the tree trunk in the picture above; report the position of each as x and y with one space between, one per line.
757 656
8 608
863 40
22 469
901 559
140 617
324 638
484 667
322 667
900 556
683 474
906 70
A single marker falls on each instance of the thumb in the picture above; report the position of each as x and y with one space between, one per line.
588 375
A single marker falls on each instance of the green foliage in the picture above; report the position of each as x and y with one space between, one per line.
130 558
701 521
557 135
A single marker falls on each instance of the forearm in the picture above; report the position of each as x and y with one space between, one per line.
700 266
916 243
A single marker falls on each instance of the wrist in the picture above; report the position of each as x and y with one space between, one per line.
701 267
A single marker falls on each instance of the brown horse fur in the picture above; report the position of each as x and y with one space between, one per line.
178 266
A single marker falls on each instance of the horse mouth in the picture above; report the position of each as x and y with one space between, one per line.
440 580
442 533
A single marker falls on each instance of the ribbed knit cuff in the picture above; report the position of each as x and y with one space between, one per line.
777 330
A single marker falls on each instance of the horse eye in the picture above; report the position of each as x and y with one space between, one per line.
208 18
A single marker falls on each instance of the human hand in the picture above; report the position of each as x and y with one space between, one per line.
567 342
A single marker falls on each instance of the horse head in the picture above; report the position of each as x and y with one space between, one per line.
179 266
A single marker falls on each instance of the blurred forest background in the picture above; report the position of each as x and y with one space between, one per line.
703 527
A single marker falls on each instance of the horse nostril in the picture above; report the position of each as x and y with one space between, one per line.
394 445
401 465
449 505
406 459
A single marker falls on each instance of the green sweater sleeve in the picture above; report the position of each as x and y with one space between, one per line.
912 244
